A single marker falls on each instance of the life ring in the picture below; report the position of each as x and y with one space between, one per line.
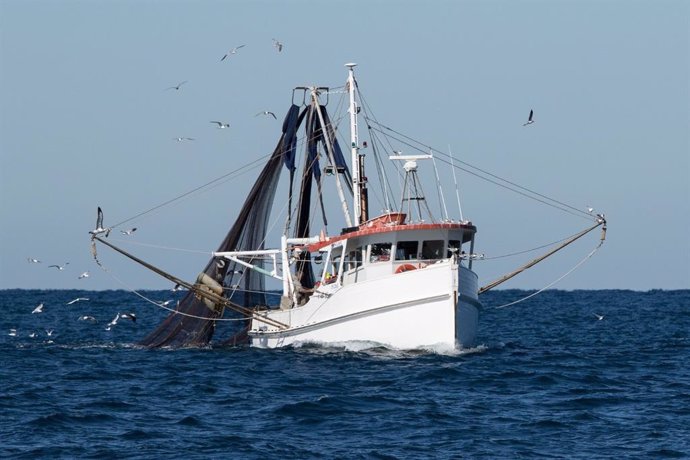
405 268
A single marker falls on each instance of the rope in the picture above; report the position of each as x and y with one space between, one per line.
511 254
157 246
551 201
239 170
532 263
212 297
135 292
553 282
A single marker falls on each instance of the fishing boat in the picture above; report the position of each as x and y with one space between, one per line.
403 278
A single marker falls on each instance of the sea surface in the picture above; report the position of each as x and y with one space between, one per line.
548 380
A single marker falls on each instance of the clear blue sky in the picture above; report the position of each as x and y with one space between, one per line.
86 121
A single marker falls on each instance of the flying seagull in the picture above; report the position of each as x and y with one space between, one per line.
38 309
99 225
49 332
221 125
231 52
113 322
278 45
84 275
599 317
177 88
87 318
166 303
529 120
59 267
130 316
33 261
13 333
128 232
182 139
266 112
78 299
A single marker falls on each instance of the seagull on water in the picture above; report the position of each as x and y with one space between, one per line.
166 303
530 120
84 275
177 88
38 309
78 299
278 45
33 261
128 232
266 112
59 267
87 318
13 333
599 317
231 52
32 335
182 139
99 225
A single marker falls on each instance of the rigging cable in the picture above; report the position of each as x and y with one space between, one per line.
524 192
525 251
530 264
587 257
240 170
216 299
137 293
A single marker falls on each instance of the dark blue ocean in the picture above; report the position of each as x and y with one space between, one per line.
549 380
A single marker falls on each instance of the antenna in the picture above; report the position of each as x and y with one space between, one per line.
457 192
412 187
442 199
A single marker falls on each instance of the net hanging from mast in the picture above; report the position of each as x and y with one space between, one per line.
196 326
248 232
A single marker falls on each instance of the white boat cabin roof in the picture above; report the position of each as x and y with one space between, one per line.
391 228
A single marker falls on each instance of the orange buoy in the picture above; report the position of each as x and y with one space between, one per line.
405 268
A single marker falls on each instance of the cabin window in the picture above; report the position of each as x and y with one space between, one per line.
354 258
432 249
406 250
380 252
330 275
453 248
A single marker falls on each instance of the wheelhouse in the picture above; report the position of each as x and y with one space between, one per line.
377 251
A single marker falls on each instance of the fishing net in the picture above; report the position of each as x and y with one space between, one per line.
193 323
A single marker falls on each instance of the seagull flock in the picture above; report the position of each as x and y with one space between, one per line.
98 230
40 308
101 230
234 51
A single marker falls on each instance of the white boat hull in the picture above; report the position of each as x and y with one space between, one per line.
433 306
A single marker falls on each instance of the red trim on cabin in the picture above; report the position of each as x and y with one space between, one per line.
388 229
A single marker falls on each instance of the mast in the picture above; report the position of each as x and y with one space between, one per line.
358 179
329 151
